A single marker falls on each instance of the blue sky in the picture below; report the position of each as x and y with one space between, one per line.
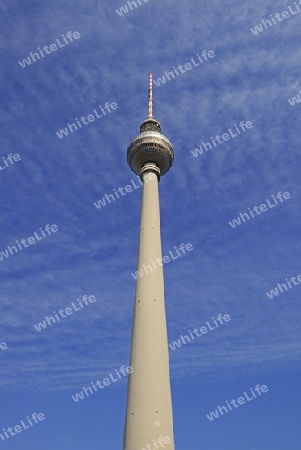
94 250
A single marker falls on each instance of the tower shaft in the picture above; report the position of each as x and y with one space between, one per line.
149 406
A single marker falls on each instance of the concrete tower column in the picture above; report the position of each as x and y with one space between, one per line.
149 422
149 407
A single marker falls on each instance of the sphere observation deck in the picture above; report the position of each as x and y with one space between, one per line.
150 146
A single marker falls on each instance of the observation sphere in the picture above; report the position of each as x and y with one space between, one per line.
150 146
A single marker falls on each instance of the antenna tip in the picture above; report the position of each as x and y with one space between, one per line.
150 96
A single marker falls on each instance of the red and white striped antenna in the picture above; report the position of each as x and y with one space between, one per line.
150 97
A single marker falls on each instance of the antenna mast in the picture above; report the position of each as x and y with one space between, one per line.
150 97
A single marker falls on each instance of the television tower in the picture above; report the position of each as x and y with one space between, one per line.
149 407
